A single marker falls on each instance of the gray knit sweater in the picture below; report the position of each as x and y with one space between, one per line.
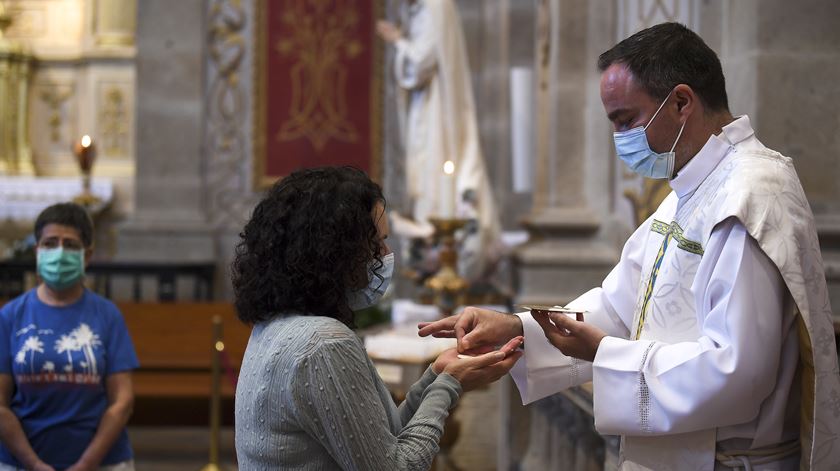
309 398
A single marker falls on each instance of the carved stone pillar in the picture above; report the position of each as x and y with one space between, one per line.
170 219
782 68
571 247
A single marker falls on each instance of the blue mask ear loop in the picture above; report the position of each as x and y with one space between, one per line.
658 109
671 163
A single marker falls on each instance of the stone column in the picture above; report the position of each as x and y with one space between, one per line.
572 246
782 65
575 236
169 220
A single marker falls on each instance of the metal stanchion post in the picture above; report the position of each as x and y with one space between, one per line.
215 396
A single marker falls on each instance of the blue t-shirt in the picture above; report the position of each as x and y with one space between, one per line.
59 358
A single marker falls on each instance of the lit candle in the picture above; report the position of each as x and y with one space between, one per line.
447 191
85 151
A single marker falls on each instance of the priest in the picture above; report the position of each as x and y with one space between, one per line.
710 344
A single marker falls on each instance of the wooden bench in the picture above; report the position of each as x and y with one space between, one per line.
175 343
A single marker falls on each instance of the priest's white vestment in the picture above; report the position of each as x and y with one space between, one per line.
720 330
433 68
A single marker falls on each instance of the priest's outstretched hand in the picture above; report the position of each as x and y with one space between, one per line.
573 337
475 328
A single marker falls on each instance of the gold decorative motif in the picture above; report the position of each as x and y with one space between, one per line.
676 232
114 118
30 22
320 39
54 97
15 71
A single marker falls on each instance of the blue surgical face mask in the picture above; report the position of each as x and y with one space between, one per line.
632 147
378 281
61 268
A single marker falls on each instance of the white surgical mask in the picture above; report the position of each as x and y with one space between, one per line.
632 147
378 282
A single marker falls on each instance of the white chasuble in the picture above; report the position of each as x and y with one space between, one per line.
718 323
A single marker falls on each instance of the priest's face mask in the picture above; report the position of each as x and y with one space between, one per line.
637 130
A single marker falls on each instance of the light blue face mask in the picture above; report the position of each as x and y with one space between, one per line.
632 147
377 285
61 268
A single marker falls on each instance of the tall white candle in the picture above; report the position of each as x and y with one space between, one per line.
447 191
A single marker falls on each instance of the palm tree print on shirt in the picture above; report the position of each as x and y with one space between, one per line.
31 345
87 340
81 339
68 344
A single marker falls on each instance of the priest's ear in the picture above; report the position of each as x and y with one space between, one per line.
686 100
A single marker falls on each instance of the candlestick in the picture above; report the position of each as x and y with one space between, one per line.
85 152
447 286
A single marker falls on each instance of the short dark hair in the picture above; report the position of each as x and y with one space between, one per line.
66 214
666 55
309 242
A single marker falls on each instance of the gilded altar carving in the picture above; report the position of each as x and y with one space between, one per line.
15 70
55 97
113 117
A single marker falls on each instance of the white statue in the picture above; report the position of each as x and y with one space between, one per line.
433 70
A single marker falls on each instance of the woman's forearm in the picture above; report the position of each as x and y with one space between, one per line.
110 426
14 438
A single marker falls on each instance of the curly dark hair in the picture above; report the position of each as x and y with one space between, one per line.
309 242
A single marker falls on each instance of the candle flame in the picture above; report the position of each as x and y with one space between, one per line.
86 141
449 167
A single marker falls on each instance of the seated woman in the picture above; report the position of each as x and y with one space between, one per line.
65 361
308 396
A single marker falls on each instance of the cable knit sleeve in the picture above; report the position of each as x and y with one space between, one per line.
334 399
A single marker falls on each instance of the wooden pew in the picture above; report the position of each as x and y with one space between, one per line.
174 342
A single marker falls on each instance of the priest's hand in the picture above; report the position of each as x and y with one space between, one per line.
575 338
475 328
388 31
481 366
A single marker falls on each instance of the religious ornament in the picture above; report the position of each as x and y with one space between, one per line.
447 285
85 152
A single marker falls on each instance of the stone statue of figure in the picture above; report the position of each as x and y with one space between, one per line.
432 69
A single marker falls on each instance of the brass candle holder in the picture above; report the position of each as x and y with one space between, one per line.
447 285
85 152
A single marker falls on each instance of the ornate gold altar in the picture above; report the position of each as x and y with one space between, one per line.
15 72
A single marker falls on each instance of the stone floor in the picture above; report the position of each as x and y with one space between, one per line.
178 449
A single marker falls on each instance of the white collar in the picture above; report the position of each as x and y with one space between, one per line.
715 149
